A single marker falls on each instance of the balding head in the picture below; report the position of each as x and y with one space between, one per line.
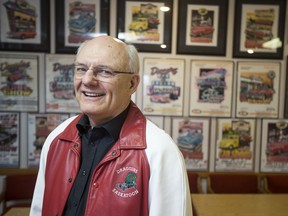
120 55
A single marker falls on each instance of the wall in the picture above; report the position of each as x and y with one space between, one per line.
167 120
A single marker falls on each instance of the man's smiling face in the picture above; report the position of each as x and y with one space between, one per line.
103 99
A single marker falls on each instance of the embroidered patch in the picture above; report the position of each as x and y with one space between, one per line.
124 189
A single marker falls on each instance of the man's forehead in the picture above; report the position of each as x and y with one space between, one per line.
107 40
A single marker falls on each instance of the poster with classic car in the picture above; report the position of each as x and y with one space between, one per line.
18 82
274 146
146 24
163 81
258 89
259 29
60 95
39 127
202 27
24 25
77 21
192 138
235 145
9 139
211 88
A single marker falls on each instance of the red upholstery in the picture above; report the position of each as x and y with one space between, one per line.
233 183
276 183
193 182
19 189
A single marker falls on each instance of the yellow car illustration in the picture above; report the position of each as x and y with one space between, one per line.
140 24
229 142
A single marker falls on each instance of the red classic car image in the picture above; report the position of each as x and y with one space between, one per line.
277 148
201 30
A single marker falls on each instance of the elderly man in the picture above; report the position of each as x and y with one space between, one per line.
109 160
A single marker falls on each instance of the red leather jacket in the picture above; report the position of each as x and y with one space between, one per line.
119 185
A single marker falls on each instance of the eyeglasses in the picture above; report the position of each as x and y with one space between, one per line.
101 71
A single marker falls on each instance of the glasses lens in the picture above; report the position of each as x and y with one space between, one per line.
104 72
80 70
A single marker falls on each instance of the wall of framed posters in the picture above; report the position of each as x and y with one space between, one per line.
205 79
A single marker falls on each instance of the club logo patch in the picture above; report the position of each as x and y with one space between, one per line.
127 187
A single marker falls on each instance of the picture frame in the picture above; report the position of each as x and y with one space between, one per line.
60 93
259 29
163 84
10 140
18 34
69 34
235 145
38 128
258 89
206 35
211 88
19 79
192 136
146 24
274 143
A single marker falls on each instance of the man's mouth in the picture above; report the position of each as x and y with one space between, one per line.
89 94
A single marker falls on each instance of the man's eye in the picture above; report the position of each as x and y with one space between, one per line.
105 73
81 69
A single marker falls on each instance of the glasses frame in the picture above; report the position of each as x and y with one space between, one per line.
95 73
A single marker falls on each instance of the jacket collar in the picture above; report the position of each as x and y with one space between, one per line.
132 135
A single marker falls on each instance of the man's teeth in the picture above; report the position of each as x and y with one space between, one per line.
92 94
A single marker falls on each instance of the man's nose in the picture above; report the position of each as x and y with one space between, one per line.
89 76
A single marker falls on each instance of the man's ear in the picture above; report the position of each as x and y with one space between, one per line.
134 82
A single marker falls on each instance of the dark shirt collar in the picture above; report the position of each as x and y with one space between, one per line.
113 127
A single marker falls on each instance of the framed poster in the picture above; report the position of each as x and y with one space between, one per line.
211 88
25 25
259 29
235 145
163 81
77 21
19 82
192 138
10 140
146 24
202 27
39 127
258 89
274 146
60 96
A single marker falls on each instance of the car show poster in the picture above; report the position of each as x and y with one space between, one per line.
18 82
259 25
20 21
39 127
211 88
144 22
82 21
163 81
9 140
202 25
192 138
60 95
274 146
258 89
235 145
